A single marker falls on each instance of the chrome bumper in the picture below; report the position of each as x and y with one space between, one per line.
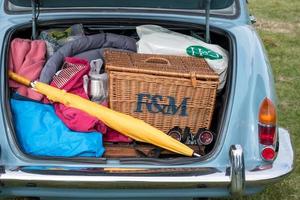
238 178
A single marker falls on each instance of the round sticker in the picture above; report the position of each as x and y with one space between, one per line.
202 52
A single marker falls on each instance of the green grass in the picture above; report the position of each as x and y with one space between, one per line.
279 27
281 10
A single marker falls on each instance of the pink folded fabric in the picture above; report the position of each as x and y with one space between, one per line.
27 59
70 78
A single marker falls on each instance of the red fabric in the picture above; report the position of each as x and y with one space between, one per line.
115 136
27 59
70 78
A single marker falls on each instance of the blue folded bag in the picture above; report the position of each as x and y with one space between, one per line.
40 132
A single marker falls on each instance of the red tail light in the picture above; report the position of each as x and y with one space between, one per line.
266 134
268 153
267 129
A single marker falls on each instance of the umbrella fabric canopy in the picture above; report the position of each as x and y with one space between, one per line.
125 124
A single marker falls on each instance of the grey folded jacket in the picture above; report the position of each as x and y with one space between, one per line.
86 43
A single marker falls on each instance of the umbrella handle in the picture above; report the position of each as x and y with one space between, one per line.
18 78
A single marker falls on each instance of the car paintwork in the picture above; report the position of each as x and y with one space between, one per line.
252 81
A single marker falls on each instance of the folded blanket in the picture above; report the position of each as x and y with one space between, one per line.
27 59
83 44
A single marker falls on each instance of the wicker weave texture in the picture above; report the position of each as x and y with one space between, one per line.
161 100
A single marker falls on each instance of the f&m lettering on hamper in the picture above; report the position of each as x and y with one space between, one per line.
153 104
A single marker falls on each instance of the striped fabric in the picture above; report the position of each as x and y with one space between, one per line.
69 70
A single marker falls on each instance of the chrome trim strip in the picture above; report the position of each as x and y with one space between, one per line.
237 170
24 176
267 125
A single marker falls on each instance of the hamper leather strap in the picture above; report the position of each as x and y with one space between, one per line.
193 79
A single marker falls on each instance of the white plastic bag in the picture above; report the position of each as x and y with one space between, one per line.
158 40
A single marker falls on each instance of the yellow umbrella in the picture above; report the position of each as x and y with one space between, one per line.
125 124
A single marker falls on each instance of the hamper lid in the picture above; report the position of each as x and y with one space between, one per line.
166 65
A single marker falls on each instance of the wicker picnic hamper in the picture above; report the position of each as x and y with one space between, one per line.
164 91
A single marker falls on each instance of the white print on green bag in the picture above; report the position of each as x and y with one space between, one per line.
202 52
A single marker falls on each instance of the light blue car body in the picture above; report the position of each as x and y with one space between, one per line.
252 81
